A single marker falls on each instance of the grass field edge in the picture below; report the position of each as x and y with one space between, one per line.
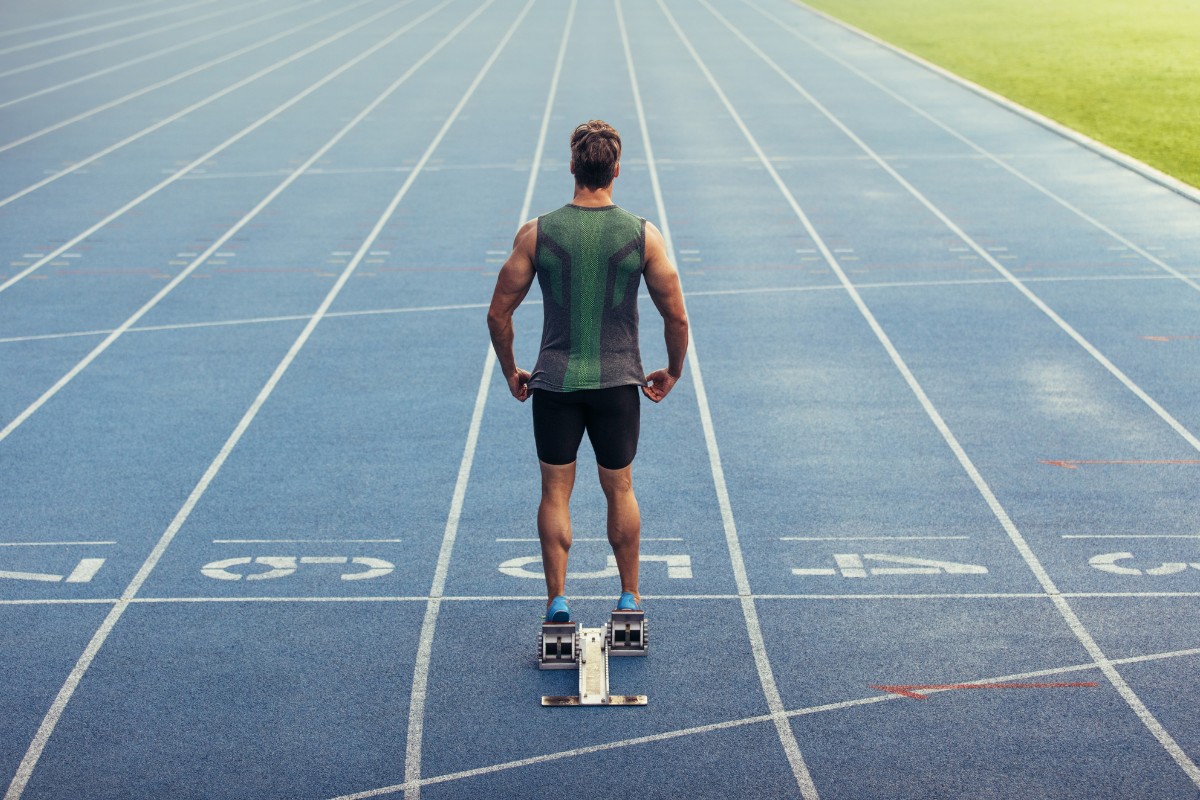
1164 179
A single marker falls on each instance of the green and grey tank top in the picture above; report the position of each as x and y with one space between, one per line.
589 265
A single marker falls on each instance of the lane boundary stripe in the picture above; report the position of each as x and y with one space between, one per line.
162 123
762 662
967 239
76 18
96 29
1073 622
250 215
414 739
147 57
115 42
50 721
369 312
61 37
583 597
981 150
742 722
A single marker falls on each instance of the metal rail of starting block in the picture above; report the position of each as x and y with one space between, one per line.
567 645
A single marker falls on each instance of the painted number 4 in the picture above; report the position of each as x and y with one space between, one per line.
853 565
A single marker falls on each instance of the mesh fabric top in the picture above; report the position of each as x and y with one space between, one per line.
589 264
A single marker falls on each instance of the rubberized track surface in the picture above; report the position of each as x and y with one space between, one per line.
266 516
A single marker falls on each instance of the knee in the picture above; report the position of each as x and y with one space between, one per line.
556 495
557 481
617 484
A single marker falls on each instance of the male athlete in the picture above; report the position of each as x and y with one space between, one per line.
589 258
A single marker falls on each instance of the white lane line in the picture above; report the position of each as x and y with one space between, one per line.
30 576
591 539
33 754
1142 251
608 598
1131 536
48 602
306 541
925 284
62 37
834 287
870 538
53 544
147 57
229 234
762 662
1105 595
1140 709
317 599
1073 622
420 683
255 321
172 118
736 723
966 239
76 18
126 39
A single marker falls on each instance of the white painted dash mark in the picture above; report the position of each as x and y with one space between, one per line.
86 570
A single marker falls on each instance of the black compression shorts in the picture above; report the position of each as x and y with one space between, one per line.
611 417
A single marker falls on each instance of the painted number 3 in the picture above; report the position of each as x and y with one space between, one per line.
283 566
1107 562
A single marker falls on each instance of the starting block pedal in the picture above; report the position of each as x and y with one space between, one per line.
627 634
570 646
557 646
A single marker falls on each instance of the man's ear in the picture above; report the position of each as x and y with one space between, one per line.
616 170
572 166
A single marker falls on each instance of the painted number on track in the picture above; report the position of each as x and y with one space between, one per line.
233 569
677 567
83 573
1107 562
853 565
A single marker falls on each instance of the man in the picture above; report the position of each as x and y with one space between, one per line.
589 258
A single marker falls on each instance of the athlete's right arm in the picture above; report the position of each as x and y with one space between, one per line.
512 284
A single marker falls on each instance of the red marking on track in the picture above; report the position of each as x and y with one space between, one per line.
114 271
1169 338
263 270
912 690
1071 463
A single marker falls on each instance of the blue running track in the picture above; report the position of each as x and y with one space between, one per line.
919 522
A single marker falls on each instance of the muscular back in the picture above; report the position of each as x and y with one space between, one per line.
589 263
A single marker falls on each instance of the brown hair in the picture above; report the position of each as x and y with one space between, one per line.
595 149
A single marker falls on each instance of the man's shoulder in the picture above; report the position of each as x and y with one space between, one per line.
557 212
568 220
639 221
570 209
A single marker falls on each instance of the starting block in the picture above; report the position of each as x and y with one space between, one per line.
567 645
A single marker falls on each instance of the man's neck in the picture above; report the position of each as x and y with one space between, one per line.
592 198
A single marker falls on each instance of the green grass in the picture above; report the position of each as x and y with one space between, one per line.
1125 72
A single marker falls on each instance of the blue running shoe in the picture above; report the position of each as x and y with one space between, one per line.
628 602
558 610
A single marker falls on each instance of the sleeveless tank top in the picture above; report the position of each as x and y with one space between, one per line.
589 265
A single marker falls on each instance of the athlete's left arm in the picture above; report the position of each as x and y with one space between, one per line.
512 284
662 281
